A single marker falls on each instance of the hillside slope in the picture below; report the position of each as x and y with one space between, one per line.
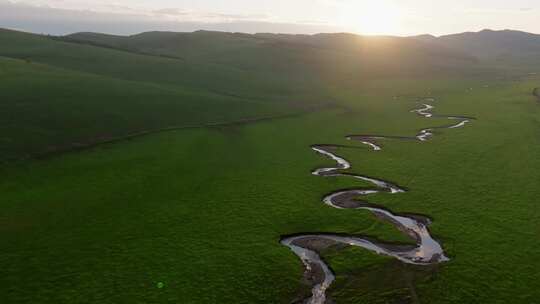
327 57
51 109
136 67
88 87
511 47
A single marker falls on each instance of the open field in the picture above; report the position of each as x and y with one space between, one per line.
202 210
98 108
74 91
62 96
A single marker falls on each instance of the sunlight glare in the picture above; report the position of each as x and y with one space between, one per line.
371 17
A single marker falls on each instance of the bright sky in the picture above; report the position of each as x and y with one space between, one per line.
394 17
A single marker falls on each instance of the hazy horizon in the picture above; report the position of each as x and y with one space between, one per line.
253 33
387 17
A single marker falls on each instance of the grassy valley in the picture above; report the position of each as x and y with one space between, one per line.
195 214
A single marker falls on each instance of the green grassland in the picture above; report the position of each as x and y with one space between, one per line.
67 92
202 210
195 215
61 96
52 109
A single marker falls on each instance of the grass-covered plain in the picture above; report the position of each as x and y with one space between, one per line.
202 210
52 109
62 95
67 92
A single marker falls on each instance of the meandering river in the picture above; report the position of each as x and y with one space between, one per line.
426 251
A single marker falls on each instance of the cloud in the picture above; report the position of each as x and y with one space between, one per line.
172 12
107 7
204 16
500 11
125 21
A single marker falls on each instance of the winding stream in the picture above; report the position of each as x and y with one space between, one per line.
426 251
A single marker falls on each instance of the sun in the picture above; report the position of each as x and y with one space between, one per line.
371 17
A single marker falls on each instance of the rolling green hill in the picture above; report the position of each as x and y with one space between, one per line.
64 95
52 109
329 57
195 214
96 87
87 88
503 47
136 67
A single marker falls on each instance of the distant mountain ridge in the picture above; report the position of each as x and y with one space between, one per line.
180 41
486 45
490 45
